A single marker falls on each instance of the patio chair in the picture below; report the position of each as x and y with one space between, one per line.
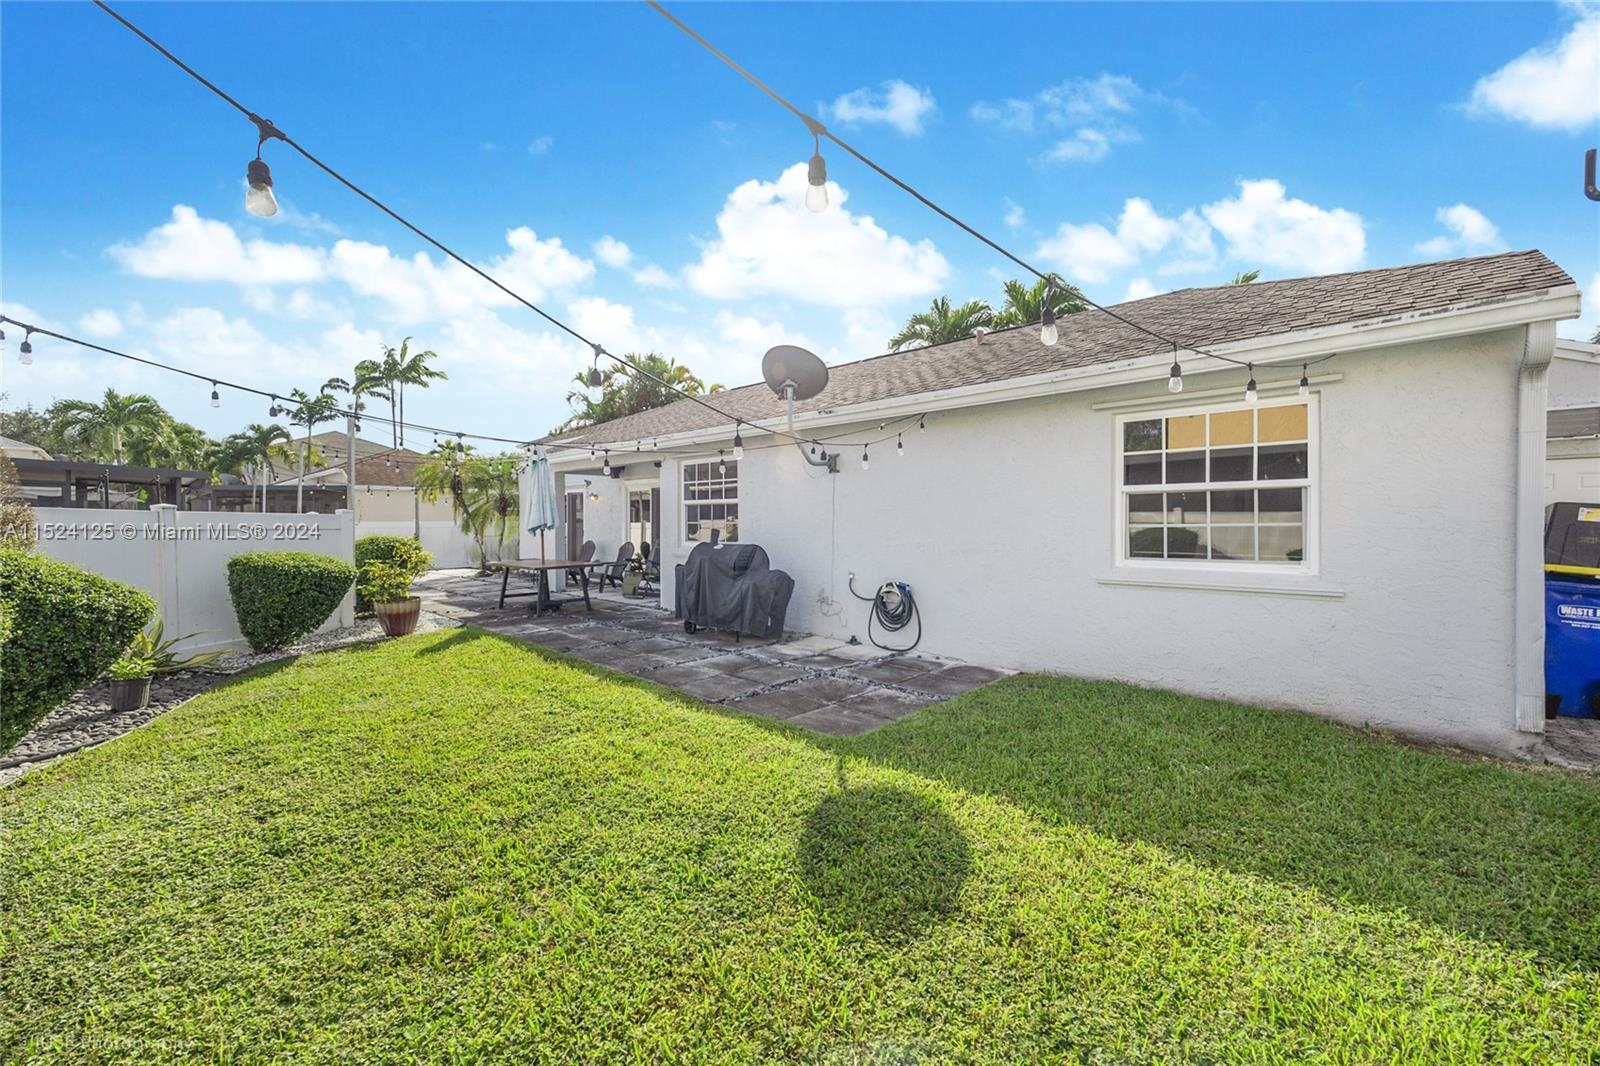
612 571
652 570
585 553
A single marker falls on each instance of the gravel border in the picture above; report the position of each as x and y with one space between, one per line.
87 720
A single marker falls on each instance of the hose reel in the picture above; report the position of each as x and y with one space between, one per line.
893 609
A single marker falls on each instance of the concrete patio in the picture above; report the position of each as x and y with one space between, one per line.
820 684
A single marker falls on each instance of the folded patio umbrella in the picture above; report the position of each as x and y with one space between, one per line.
539 510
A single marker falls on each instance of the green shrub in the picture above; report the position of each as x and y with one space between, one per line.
64 626
378 547
279 597
389 580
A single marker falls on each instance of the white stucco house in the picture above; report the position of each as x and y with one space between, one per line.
1370 551
1572 449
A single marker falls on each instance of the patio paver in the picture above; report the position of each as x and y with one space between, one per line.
816 682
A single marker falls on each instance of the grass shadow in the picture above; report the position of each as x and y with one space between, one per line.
882 861
1502 852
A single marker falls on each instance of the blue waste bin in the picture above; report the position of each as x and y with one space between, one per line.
1572 646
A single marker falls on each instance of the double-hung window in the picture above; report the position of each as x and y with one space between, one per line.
710 501
1230 485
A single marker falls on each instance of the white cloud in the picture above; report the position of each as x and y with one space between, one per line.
654 277
1092 252
420 289
1468 231
768 242
540 145
1015 216
893 104
191 248
1139 288
1264 227
1096 110
1084 146
612 252
1550 88
101 322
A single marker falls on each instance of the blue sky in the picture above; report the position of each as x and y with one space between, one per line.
603 165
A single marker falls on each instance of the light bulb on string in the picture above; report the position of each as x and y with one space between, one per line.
922 422
1047 319
25 349
738 443
899 444
1251 393
216 398
1305 383
258 197
722 467
595 377
2 341
817 176
865 461
1175 378
605 464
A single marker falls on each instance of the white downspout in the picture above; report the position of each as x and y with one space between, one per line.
1528 530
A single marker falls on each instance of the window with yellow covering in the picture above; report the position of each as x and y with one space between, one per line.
1230 485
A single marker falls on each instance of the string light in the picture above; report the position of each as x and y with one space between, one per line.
2 341
25 349
605 465
273 411
722 467
595 377
899 444
216 398
738 443
816 174
1251 395
1305 383
864 460
922 422
258 197
1175 379
1047 322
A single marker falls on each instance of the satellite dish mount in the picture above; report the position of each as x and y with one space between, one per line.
796 374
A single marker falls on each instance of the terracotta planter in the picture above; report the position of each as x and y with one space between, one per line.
400 617
130 694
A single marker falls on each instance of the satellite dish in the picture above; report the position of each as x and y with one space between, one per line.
793 373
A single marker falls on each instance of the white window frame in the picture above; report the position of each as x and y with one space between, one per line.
684 502
1311 559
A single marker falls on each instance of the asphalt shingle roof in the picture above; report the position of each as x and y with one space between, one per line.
1196 317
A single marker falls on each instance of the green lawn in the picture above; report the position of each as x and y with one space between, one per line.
456 848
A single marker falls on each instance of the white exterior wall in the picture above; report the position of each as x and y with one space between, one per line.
181 558
1002 520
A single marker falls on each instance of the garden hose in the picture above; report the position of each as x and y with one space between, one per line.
893 608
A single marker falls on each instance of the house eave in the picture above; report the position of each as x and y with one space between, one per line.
1292 348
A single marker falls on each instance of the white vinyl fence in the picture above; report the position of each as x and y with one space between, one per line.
450 547
181 558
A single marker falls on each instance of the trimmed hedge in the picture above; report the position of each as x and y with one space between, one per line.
63 626
279 597
373 548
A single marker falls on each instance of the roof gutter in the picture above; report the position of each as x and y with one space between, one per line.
1544 306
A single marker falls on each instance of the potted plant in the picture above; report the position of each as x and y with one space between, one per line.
632 574
387 583
130 683
150 648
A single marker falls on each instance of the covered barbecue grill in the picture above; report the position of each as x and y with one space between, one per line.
732 586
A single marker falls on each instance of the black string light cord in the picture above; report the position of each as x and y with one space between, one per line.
267 130
819 130
284 398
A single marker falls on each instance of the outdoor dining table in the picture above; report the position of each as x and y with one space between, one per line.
542 568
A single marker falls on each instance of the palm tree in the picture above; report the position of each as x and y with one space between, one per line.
399 368
254 449
1245 277
107 426
942 323
176 444
624 391
482 490
1024 304
308 411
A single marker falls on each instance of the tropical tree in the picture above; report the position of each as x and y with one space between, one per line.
1024 304
252 451
1245 277
941 323
106 429
624 391
482 491
309 411
389 377
174 444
